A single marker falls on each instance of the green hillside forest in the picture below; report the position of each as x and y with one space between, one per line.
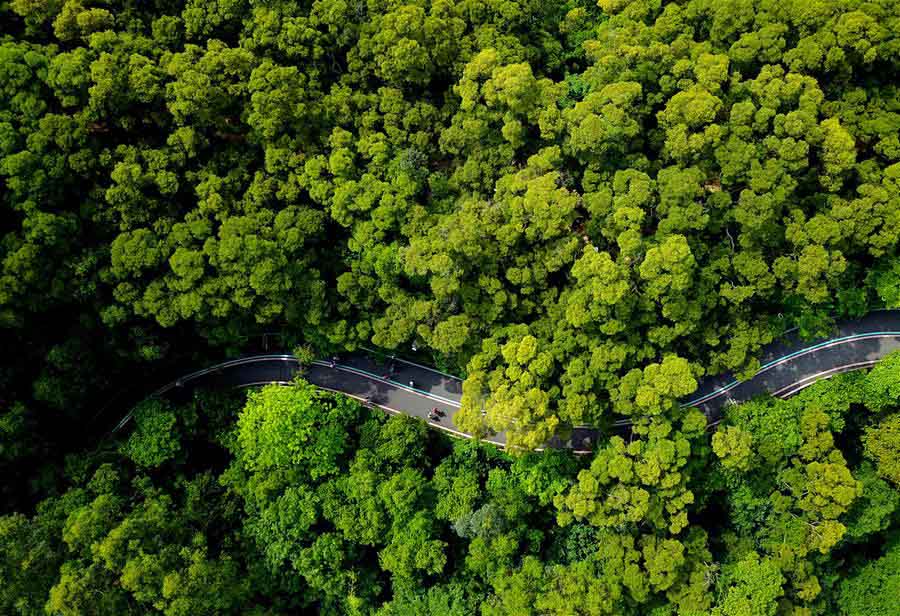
582 207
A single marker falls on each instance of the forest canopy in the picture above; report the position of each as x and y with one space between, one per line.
553 197
582 207
311 503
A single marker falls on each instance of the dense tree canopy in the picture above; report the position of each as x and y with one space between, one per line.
583 207
310 502
548 196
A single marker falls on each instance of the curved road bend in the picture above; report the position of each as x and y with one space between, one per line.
412 389
790 364
356 376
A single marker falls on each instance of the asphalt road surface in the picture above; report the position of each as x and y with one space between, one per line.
403 387
790 364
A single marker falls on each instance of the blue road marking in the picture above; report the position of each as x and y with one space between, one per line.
734 383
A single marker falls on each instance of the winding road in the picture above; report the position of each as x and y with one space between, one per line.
413 389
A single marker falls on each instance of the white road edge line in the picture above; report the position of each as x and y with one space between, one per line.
397 385
793 388
399 412
814 349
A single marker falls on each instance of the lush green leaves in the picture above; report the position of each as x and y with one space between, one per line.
294 426
583 206
155 438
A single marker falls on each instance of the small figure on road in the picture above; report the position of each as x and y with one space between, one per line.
434 414
334 361
368 400
412 383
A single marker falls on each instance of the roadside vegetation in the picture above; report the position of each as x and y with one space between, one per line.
309 501
582 206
